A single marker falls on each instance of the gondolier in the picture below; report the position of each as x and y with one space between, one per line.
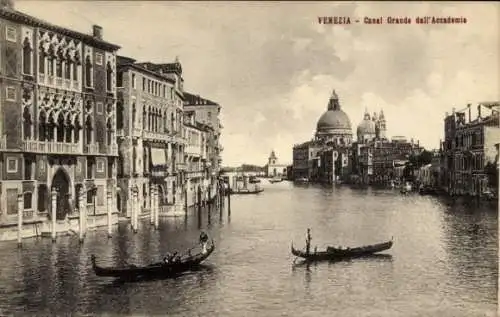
308 240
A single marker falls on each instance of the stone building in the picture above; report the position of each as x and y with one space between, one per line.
469 144
150 134
58 125
198 168
274 168
207 112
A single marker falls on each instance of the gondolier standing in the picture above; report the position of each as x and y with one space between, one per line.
203 241
308 241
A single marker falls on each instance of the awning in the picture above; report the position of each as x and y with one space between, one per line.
158 157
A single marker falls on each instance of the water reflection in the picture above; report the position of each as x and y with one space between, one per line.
444 255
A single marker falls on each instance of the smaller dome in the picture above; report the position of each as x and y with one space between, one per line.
366 126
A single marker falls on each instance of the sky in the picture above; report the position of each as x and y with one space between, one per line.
272 67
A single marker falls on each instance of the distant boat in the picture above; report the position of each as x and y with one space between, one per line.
254 180
302 180
276 179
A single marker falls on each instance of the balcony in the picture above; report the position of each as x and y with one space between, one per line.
92 148
120 133
51 147
155 136
159 174
112 149
193 150
195 174
181 166
136 132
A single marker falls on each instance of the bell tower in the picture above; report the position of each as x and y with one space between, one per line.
382 125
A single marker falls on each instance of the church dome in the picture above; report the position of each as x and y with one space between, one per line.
366 126
334 120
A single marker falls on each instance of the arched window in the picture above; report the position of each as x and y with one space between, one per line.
77 128
165 122
69 129
109 131
42 126
28 198
51 58
60 128
172 121
109 76
67 66
149 119
88 130
133 114
144 119
134 160
120 164
27 123
119 115
88 72
27 56
75 65
41 59
145 160
59 67
51 125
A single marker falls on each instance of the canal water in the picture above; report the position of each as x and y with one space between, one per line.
443 263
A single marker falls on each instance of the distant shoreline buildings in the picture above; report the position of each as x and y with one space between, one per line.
333 156
86 130
465 164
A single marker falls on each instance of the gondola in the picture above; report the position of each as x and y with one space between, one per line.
159 269
332 253
275 180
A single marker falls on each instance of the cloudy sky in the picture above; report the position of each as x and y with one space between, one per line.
272 66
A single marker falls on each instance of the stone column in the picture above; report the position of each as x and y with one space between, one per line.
20 211
110 209
83 212
156 206
53 196
151 204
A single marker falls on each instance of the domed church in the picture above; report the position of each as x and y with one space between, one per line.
370 129
325 158
334 125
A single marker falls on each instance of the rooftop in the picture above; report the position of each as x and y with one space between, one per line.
13 15
196 100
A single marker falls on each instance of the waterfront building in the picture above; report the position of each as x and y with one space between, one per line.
57 132
207 112
274 168
303 159
199 175
469 145
150 134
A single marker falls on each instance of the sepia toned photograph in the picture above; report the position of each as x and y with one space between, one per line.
258 158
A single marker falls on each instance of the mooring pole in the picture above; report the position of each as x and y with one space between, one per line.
109 207
82 213
53 196
20 210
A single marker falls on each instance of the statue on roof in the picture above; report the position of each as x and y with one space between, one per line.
177 59
334 95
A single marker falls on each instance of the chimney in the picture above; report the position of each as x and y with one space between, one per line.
453 110
97 31
479 111
470 115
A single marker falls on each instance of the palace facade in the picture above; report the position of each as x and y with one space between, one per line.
469 145
58 125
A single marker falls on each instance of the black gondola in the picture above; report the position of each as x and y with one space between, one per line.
332 253
159 269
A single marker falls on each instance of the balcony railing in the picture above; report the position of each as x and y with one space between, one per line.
120 133
159 174
155 136
181 166
112 149
193 150
92 148
51 147
194 174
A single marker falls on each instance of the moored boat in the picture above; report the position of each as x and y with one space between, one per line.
160 269
333 253
246 191
276 179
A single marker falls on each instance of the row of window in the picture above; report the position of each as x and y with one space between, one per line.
43 199
30 165
153 87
